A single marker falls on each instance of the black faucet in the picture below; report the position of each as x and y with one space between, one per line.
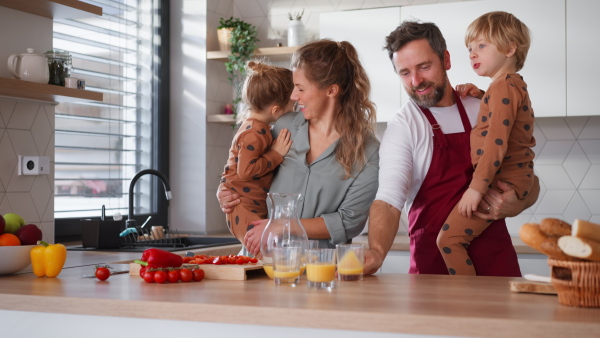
130 223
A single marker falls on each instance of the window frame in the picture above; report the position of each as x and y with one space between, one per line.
69 229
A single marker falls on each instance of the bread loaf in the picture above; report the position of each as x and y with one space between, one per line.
555 227
585 229
531 235
580 247
550 248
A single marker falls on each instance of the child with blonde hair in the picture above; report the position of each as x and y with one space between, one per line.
254 154
501 141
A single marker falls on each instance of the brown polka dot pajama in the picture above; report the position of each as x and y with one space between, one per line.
249 172
501 145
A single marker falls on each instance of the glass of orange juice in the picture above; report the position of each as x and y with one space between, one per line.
351 258
286 264
320 268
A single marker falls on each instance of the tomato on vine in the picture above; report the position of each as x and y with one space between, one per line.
185 275
160 276
149 276
198 274
173 276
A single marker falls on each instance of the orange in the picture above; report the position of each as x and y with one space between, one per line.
9 240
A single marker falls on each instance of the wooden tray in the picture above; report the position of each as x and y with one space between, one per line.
532 287
211 271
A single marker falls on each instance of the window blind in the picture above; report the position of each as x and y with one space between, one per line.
100 146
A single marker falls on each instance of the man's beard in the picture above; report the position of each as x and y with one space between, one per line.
431 99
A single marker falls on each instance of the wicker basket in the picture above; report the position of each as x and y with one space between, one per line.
223 35
577 283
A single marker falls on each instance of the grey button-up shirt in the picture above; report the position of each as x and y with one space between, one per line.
343 204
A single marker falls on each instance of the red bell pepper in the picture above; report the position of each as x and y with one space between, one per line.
157 258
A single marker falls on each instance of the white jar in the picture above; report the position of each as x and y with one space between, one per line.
296 33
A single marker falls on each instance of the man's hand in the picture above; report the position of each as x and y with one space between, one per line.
469 202
500 205
469 89
252 237
282 143
227 199
373 261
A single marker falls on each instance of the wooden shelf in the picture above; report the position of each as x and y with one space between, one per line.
44 92
54 9
220 118
273 53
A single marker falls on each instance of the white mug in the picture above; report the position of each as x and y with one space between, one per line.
71 82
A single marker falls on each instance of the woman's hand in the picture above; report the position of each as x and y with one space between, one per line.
253 235
469 89
500 205
227 199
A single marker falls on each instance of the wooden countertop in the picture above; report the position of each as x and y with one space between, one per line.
418 304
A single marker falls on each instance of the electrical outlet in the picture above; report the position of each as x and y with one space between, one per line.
33 165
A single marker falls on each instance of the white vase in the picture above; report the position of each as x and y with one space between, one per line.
296 33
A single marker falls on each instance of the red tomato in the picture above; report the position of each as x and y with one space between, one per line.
219 261
174 276
240 261
160 276
186 275
188 259
149 276
198 274
253 260
102 273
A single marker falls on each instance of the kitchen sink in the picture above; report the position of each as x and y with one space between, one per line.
186 243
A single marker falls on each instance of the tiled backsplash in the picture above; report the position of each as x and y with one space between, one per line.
567 152
27 128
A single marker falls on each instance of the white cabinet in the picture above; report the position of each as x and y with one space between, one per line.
399 262
544 70
583 53
366 31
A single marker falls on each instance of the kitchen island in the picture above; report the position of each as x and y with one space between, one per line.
394 303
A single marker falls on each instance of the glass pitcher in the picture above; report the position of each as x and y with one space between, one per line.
283 229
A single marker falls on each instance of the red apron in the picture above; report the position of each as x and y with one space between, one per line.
447 179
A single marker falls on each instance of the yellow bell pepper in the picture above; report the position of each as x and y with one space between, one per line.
48 259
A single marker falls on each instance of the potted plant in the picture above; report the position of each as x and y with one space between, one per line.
242 43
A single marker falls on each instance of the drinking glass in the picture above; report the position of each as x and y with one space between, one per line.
286 264
351 258
320 268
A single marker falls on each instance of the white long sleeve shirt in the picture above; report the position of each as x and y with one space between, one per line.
407 148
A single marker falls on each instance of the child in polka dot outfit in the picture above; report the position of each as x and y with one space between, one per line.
254 154
502 139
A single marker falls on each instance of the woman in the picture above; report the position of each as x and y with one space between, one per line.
334 160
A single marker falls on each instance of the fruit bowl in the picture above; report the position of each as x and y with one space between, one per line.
14 258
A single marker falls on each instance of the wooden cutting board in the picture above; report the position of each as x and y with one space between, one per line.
211 271
532 287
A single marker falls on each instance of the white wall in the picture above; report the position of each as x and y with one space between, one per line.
26 127
187 209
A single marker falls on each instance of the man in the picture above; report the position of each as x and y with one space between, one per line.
425 163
